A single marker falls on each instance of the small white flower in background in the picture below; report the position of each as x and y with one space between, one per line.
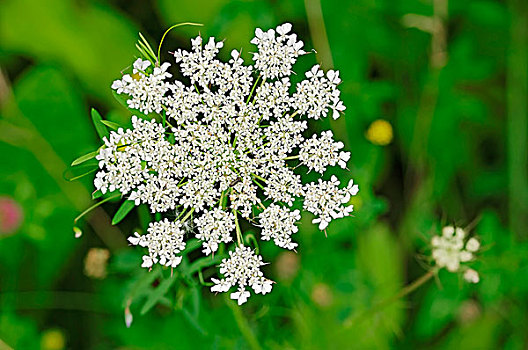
471 276
451 249
232 147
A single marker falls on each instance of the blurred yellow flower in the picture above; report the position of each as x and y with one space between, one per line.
53 339
380 132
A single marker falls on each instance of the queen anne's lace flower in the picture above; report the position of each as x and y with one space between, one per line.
326 200
147 91
228 149
277 51
318 153
317 94
279 223
242 269
164 240
214 226
451 249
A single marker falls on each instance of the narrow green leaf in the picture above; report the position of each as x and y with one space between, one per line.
123 210
111 125
146 52
142 51
193 320
157 294
97 119
84 158
97 194
72 177
147 46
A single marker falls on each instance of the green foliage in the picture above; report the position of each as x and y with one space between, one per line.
447 163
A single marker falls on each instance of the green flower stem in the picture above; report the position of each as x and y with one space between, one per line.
253 89
95 206
238 231
187 216
243 325
168 30
402 293
517 121
259 177
291 157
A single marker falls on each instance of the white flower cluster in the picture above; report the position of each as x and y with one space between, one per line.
326 200
242 269
450 249
318 153
276 53
317 94
147 90
214 226
231 147
164 240
279 223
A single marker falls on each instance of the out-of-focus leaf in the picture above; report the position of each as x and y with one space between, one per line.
157 294
84 158
93 40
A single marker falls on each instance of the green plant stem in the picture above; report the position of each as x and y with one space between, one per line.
253 89
517 121
238 231
187 216
314 13
95 206
168 30
402 293
243 325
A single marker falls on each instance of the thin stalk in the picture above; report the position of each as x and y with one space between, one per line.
314 14
168 30
238 231
402 293
253 89
187 216
243 325
291 157
517 122
95 206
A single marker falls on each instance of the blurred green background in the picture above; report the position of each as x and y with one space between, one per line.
450 80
